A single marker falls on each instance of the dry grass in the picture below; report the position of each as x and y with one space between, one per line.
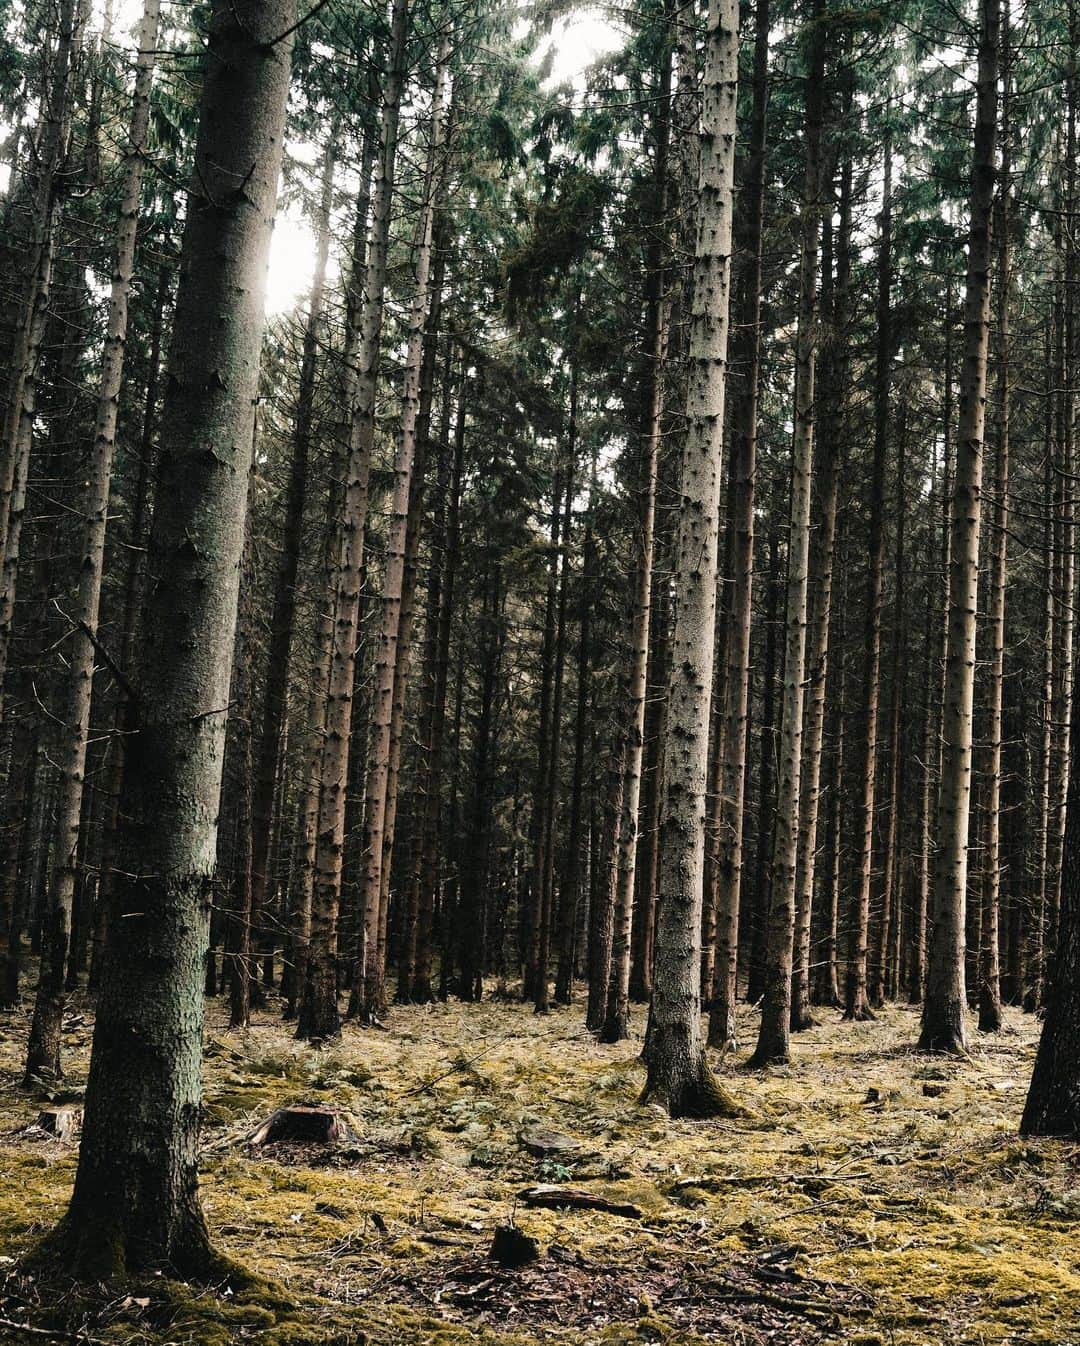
875 1196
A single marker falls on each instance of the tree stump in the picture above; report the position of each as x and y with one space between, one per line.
62 1123
544 1144
303 1124
512 1247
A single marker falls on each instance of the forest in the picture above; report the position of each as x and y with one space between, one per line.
538 589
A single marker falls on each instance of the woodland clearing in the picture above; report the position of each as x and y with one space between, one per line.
876 1195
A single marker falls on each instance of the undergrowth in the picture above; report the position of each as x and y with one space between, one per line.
872 1194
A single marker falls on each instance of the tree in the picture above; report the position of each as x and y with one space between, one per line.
775 1034
136 1201
943 1026
43 1051
675 1048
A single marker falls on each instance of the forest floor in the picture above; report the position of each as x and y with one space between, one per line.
873 1196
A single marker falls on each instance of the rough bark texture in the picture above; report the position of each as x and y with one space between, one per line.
774 1038
675 1049
136 1190
728 866
856 998
943 1026
43 1052
377 793
989 949
318 1015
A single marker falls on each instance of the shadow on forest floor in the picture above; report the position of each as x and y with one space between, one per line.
876 1196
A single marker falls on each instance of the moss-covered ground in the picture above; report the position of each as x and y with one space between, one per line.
874 1195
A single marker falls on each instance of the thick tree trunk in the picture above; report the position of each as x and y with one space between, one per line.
774 1038
136 1190
675 1049
43 1052
943 1025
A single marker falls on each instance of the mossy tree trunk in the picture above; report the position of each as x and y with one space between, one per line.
136 1200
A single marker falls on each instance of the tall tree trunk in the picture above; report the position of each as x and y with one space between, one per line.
774 1038
755 987
728 866
43 1051
318 1016
570 886
134 585
989 950
386 658
818 661
856 999
617 1020
136 1200
938 622
554 735
283 611
427 848
677 1069
943 1026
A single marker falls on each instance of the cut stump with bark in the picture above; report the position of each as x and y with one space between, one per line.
61 1123
544 1144
304 1125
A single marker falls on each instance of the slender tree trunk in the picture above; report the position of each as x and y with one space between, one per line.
943 1026
318 1016
675 1046
856 999
134 584
755 987
283 612
932 744
728 867
989 950
774 1038
43 1052
818 658
386 660
136 1200
428 843
570 887
1035 998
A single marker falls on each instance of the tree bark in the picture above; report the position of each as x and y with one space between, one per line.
856 997
136 1201
989 949
318 1016
774 1037
386 659
43 1051
728 867
943 1019
675 1049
